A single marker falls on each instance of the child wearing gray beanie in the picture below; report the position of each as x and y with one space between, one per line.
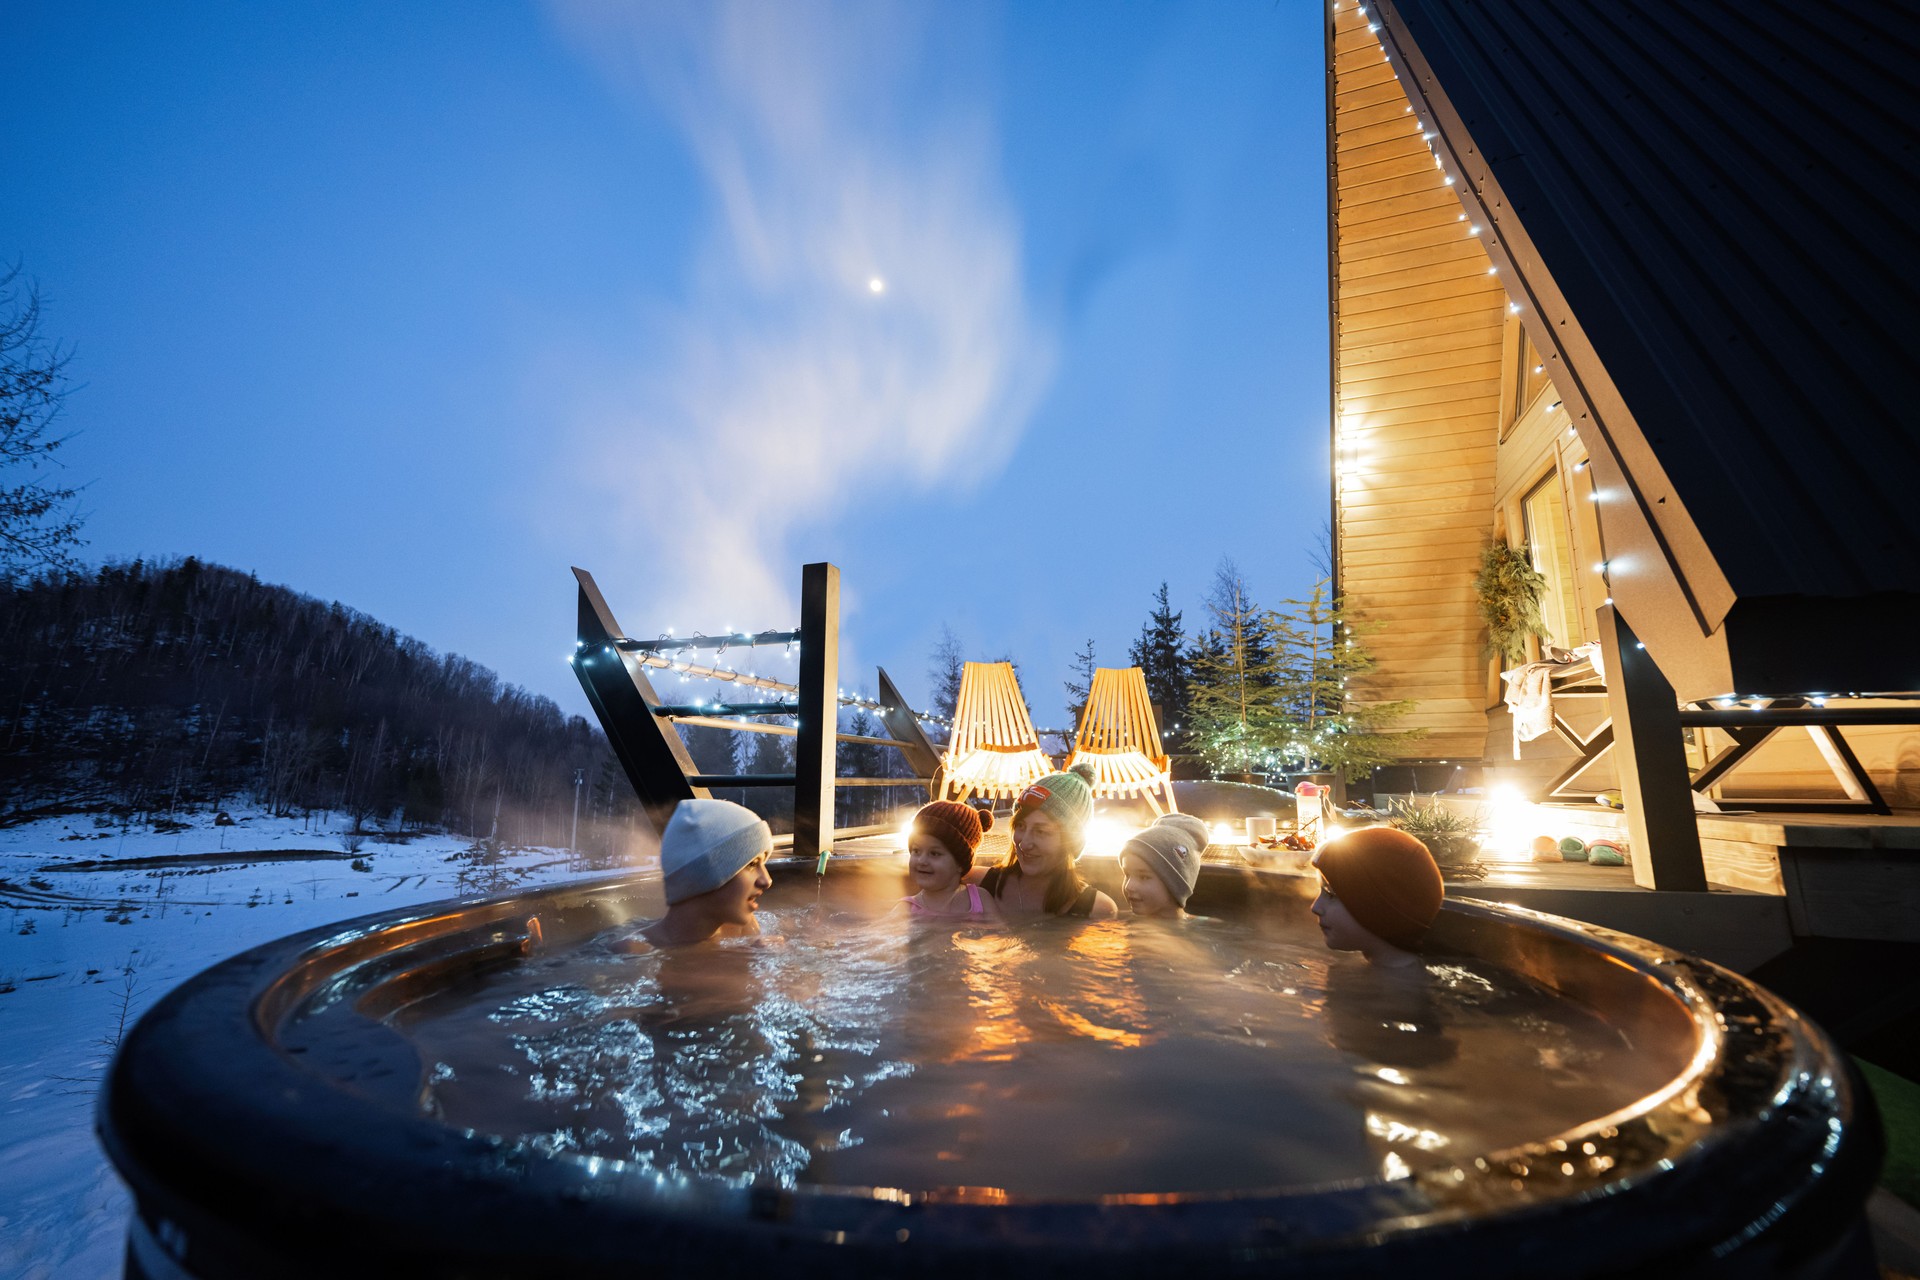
713 858
1160 865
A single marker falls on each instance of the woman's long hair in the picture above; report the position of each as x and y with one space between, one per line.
1063 886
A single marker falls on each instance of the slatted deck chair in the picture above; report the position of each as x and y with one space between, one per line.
994 752
1119 738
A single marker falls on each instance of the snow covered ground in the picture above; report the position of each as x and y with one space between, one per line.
100 923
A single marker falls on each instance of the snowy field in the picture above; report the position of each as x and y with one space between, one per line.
100 923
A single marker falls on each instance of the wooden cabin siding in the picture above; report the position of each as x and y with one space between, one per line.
1417 325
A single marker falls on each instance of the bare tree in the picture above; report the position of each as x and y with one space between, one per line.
39 528
944 670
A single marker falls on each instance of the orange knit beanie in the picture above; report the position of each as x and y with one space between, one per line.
955 825
1386 879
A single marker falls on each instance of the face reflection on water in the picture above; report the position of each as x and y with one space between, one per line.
1061 1058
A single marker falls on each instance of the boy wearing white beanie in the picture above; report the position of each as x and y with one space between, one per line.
714 859
1159 866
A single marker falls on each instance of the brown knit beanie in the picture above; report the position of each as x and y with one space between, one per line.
955 825
1386 879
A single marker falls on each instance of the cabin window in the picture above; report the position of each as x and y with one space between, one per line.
1550 544
1532 374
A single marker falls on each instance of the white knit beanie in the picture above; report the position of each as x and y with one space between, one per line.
706 844
1172 846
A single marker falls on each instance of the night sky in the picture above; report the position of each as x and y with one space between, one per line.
1012 312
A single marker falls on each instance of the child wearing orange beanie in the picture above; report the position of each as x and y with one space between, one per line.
940 848
1379 890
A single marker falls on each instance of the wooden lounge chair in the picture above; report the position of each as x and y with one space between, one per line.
994 752
1119 738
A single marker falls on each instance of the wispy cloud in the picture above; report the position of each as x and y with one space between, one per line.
856 317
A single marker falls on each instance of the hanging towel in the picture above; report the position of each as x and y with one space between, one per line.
1530 699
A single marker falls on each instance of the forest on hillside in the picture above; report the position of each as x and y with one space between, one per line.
146 689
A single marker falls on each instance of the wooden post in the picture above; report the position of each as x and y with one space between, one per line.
1650 757
819 715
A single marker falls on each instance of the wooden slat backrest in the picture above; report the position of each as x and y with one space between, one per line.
1118 714
989 711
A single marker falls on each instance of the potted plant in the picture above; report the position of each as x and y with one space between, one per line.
1451 836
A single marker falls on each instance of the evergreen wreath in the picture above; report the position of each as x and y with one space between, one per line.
1509 588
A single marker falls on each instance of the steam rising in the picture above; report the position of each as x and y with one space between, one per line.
855 324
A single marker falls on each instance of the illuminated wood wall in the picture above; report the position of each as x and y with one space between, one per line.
1417 324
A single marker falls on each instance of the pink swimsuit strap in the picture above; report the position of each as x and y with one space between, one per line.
977 908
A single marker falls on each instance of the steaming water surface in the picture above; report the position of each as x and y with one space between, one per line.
1050 1058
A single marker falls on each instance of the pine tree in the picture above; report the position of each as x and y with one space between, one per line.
1235 671
1080 685
1160 653
1324 724
860 760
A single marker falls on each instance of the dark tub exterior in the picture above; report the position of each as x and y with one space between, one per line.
266 1116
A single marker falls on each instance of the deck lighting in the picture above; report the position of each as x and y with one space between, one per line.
1601 567
1493 271
1555 406
1594 496
1608 600
1539 368
1514 307
1473 231
1449 179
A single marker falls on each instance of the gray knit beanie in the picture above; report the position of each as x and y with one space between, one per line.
706 844
1172 846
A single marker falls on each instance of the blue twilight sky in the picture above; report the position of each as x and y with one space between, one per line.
1011 311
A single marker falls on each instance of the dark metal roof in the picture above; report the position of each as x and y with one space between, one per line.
1726 193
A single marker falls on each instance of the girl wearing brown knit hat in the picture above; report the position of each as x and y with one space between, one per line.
1379 890
940 848
1049 833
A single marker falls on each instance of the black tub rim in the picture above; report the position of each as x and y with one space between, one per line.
223 1132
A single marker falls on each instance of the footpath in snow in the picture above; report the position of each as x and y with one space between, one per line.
100 923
